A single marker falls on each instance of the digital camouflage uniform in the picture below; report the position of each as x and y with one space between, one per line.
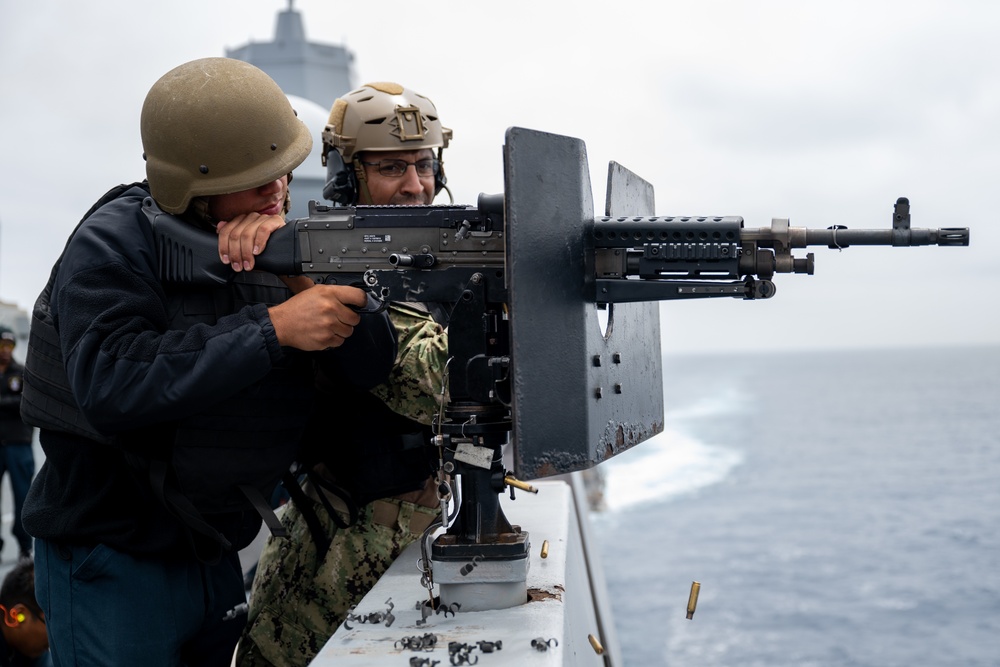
300 597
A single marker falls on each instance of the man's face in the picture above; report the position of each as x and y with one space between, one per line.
6 351
410 189
268 199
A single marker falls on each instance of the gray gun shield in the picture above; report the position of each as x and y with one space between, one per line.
582 392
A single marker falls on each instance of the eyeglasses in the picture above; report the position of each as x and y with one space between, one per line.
396 168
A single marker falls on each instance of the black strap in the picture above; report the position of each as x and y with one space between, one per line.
308 508
185 510
340 492
298 496
175 501
264 509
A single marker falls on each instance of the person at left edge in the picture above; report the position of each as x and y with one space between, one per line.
16 457
168 412
23 640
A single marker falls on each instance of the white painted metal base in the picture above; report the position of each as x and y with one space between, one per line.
567 600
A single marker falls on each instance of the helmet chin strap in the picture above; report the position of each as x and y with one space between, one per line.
451 198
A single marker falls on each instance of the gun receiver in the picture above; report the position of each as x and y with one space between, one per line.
336 245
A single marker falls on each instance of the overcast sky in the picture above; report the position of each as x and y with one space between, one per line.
824 113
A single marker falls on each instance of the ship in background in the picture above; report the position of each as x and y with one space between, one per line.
313 75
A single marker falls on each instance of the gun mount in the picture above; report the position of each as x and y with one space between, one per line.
529 273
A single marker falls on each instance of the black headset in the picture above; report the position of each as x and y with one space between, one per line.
342 183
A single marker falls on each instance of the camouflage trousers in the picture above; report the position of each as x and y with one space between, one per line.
300 597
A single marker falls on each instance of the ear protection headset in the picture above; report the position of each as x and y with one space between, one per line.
14 617
341 183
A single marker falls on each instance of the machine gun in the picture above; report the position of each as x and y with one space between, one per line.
529 272
429 253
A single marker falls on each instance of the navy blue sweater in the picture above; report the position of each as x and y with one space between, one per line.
191 376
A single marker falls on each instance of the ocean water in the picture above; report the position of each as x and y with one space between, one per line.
838 508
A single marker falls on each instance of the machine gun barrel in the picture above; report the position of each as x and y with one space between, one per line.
660 258
780 235
841 237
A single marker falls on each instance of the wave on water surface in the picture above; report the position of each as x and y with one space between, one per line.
674 463
668 465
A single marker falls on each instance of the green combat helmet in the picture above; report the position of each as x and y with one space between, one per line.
216 126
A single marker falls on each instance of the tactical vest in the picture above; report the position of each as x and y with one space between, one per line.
47 400
228 459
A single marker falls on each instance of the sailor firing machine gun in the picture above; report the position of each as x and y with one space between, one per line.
554 343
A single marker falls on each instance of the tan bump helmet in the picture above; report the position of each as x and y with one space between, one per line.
383 117
216 126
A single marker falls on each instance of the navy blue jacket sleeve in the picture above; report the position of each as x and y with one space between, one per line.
126 368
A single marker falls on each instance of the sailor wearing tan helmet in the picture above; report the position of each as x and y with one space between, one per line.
369 490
